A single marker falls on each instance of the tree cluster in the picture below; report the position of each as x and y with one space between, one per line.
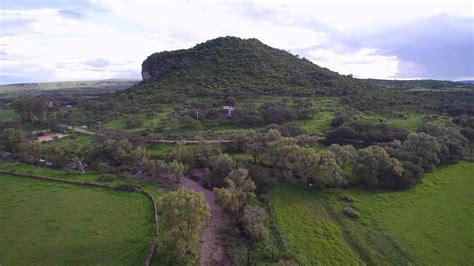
359 132
183 216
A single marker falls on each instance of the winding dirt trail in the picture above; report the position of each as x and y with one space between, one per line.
212 252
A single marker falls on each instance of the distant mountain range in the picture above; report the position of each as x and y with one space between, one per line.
94 86
421 84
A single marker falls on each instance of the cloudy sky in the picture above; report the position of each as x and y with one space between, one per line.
57 40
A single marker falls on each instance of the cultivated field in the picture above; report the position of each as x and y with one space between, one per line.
427 225
47 223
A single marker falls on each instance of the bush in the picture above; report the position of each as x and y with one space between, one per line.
347 198
339 120
349 212
358 132
253 222
132 121
277 114
107 178
127 188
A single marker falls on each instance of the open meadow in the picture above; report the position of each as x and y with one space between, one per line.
425 225
47 223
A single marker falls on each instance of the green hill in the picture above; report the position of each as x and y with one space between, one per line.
230 66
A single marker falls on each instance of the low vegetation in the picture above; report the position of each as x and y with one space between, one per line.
45 223
393 227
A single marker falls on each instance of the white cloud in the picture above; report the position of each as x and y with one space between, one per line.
124 32
364 63
60 46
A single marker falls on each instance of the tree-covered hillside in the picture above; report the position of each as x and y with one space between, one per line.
230 66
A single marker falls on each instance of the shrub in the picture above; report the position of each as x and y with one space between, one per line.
347 198
349 212
253 222
132 121
127 188
106 178
339 120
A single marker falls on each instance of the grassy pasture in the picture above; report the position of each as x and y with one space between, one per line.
81 140
156 188
428 225
8 114
409 121
46 223
159 150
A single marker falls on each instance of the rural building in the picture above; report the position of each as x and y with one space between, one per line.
229 109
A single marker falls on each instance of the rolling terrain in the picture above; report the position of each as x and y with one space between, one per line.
424 226
45 223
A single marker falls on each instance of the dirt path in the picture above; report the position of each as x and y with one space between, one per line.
209 141
80 130
212 252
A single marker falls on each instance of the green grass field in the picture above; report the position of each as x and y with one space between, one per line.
428 225
81 140
159 150
408 121
156 188
8 114
47 223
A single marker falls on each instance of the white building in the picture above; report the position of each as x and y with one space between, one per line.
229 109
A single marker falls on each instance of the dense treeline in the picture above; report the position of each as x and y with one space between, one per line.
419 84
359 132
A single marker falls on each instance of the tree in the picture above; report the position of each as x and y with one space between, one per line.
132 121
11 139
281 152
221 166
118 152
31 108
253 222
306 140
304 163
175 169
343 154
240 189
183 215
421 149
375 167
329 173
342 134
204 151
182 153
238 142
453 144
255 145
339 120
277 114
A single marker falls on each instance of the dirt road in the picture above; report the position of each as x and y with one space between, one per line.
212 252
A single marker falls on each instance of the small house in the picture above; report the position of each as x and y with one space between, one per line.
229 109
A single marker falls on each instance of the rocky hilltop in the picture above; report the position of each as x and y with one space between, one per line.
233 66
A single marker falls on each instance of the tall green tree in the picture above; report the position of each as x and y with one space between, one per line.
375 167
183 216
31 108
11 139
253 222
240 189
